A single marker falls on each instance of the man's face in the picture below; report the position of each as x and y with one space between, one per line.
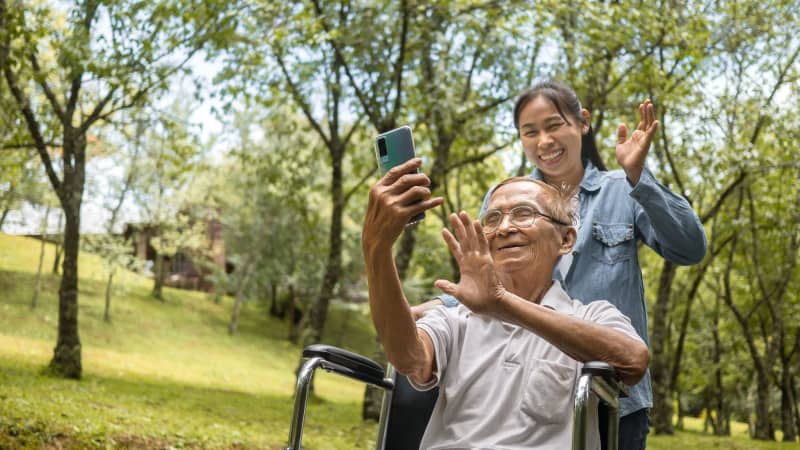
536 247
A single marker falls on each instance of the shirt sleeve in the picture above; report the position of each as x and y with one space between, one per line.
438 323
666 222
604 313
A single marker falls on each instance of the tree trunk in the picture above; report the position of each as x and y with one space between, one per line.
3 216
373 396
659 364
723 427
796 408
38 285
8 198
405 252
763 426
107 311
787 404
239 297
59 246
158 277
296 316
276 309
67 353
237 306
318 313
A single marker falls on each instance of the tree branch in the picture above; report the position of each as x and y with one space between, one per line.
33 126
28 145
479 157
94 116
398 64
51 96
357 185
362 98
293 89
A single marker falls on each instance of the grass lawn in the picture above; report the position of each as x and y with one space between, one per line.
160 374
167 375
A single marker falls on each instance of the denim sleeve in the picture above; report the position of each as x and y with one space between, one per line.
666 222
448 300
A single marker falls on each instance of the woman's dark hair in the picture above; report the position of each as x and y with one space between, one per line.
566 102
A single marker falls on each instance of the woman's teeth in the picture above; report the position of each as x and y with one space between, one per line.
550 156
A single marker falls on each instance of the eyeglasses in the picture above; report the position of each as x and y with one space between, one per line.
521 216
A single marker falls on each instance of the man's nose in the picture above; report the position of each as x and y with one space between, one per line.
505 224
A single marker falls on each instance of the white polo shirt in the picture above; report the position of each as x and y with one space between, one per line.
502 386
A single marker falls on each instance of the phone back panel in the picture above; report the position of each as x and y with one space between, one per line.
399 148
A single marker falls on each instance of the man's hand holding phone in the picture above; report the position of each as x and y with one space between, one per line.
393 148
401 194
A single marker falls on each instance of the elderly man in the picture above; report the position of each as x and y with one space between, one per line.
507 359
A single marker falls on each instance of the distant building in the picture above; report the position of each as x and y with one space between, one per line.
185 269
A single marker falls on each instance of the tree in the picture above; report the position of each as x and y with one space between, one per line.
66 79
271 224
171 156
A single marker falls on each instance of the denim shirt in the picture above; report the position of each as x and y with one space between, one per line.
605 265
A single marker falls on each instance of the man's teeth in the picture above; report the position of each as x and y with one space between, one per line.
551 156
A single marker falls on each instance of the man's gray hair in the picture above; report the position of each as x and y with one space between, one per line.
559 204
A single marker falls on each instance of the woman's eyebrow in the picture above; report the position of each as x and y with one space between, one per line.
548 119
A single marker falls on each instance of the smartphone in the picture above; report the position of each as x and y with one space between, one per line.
393 148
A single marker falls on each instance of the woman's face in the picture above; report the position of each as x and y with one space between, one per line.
551 143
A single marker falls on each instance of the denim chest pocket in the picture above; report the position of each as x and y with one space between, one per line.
613 242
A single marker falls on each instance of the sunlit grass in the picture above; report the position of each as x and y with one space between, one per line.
692 437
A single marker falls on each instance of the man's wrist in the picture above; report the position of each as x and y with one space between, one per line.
505 306
371 247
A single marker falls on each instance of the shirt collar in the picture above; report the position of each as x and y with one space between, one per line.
591 177
557 299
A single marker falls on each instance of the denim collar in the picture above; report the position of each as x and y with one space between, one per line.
591 177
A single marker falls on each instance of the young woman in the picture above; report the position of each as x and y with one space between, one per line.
617 209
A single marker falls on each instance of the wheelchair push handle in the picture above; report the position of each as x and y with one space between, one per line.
599 380
336 360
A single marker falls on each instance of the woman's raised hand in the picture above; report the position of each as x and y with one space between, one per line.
632 151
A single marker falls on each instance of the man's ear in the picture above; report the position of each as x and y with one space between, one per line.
568 238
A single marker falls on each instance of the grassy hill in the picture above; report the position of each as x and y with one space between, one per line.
167 375
160 374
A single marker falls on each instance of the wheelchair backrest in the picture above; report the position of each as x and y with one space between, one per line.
409 413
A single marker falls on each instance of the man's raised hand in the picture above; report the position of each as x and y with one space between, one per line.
397 197
478 289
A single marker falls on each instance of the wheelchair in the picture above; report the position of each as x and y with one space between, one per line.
405 411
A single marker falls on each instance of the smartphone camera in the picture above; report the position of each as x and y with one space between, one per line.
381 147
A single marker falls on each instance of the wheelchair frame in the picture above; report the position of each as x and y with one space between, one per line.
597 379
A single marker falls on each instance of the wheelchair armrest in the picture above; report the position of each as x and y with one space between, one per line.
348 363
603 370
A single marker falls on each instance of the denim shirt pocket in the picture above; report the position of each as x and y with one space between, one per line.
613 242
